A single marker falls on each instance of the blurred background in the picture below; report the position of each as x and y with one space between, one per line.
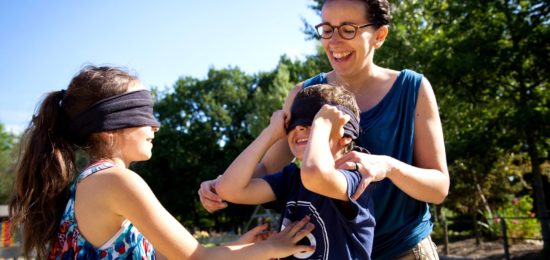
218 71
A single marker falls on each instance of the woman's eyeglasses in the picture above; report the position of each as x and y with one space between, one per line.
346 31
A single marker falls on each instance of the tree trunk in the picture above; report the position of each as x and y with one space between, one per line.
540 200
475 212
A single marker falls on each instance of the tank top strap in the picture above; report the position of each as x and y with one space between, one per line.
98 166
320 78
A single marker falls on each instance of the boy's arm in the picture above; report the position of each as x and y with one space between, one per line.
279 155
236 184
318 171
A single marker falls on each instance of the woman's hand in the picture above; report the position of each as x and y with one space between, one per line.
209 198
372 168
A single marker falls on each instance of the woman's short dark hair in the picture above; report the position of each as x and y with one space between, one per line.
378 11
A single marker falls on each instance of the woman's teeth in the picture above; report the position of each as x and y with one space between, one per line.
339 55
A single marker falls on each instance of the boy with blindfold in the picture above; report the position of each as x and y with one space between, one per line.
323 125
108 211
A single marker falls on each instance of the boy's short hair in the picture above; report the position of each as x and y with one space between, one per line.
309 101
334 95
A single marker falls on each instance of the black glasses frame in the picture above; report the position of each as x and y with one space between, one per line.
357 27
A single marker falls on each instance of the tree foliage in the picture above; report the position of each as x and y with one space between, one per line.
8 143
489 64
205 124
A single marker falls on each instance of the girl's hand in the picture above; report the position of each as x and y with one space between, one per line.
284 243
279 244
254 235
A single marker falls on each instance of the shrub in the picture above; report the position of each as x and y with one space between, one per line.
519 217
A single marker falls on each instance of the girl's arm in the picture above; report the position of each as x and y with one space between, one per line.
133 199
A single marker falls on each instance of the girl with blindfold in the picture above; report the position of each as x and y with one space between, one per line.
108 211
323 124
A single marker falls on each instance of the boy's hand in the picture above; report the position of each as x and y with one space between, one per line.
335 118
277 125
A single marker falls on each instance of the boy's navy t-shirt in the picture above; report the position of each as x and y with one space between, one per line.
343 229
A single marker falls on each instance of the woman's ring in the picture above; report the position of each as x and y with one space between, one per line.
356 167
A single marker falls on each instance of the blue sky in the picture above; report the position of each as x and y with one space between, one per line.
44 43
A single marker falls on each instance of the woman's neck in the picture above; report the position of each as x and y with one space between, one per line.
369 85
358 82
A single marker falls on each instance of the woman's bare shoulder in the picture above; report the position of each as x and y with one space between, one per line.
389 73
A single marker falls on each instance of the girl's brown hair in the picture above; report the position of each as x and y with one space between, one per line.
47 162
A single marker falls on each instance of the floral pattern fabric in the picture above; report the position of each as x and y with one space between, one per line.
70 244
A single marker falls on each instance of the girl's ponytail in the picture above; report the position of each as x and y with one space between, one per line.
44 173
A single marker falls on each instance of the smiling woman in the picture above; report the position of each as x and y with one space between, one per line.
401 127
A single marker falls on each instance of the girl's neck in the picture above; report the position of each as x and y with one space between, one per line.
116 161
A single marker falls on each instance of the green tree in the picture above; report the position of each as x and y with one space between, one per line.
8 143
205 124
493 60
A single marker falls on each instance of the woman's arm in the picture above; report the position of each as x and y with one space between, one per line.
428 179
